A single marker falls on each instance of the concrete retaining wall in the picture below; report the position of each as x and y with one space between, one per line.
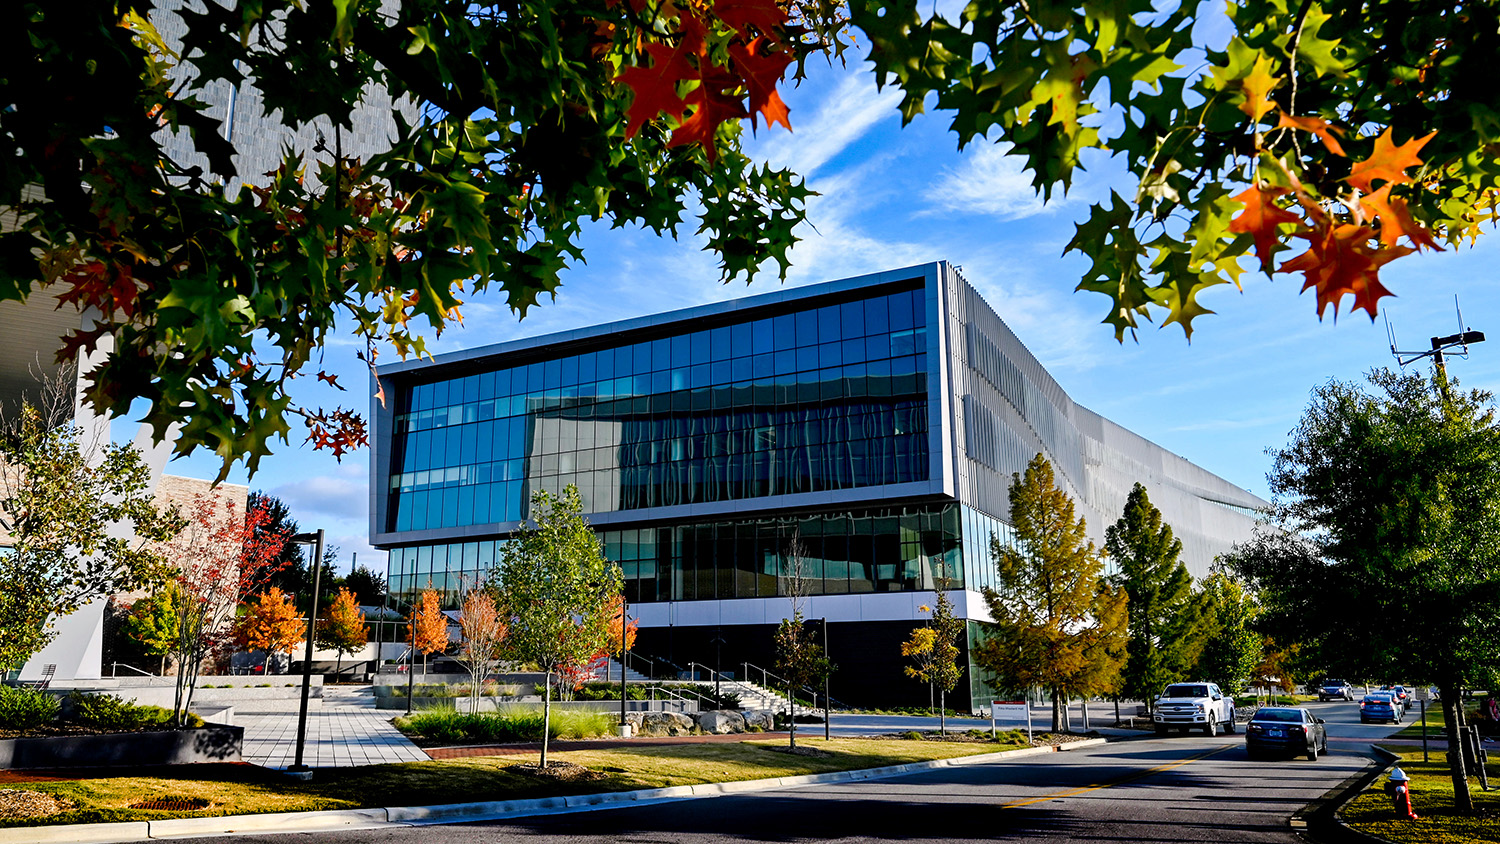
213 743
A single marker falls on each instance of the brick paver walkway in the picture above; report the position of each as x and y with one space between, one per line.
343 729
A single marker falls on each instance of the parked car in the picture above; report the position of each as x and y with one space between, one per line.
1285 729
1379 706
1189 705
1335 690
1402 696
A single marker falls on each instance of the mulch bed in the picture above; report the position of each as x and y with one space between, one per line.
812 752
64 728
560 771
16 804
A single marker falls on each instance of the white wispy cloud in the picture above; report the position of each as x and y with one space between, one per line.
831 125
990 181
343 495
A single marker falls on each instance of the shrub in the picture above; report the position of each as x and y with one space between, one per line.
510 724
912 735
23 709
108 712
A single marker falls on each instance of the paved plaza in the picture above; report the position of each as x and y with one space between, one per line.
343 728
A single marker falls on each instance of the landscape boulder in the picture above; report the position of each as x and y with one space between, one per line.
721 721
663 724
762 718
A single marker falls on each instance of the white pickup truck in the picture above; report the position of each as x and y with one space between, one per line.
1189 705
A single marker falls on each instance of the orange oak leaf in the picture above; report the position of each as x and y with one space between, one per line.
1318 126
1260 218
656 87
761 70
711 106
1395 219
1340 261
1388 161
765 16
1257 87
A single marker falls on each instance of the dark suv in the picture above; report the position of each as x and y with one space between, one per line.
1335 690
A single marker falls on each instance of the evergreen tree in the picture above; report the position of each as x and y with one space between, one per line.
1163 617
1058 623
290 572
367 586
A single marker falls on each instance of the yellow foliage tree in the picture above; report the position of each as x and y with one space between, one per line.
429 627
343 628
270 624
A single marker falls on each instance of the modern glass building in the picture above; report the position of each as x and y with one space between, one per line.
871 424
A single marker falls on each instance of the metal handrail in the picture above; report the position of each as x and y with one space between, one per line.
815 693
114 670
714 673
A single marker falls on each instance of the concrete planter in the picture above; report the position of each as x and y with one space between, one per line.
211 743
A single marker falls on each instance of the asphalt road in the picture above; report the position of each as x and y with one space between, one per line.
1174 790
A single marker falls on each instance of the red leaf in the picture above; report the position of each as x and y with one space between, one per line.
1259 220
1388 161
1396 220
711 107
331 379
1316 125
766 16
762 70
1340 261
656 87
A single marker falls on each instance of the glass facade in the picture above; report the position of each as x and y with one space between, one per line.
895 549
824 398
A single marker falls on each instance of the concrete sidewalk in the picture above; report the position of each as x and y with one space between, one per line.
343 729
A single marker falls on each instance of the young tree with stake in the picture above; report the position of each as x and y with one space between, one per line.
554 590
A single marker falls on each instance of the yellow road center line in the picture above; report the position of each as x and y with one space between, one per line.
1129 778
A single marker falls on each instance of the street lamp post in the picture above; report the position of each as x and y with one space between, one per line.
312 619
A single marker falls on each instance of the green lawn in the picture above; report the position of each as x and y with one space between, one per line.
1432 800
246 789
1435 721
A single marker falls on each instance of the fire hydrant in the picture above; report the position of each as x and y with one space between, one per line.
1399 788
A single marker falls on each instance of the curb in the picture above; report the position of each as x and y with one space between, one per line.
1321 821
111 833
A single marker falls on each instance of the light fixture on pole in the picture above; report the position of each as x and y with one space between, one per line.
299 770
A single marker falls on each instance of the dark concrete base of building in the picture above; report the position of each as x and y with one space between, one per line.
869 674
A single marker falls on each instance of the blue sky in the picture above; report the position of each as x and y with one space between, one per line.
893 197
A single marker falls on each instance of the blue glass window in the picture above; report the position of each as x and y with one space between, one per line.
828 325
877 316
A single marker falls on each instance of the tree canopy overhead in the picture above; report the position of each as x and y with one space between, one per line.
1325 138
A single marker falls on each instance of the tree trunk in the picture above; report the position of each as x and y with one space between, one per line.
1117 711
546 715
1463 801
1083 703
1057 715
792 718
943 712
338 665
